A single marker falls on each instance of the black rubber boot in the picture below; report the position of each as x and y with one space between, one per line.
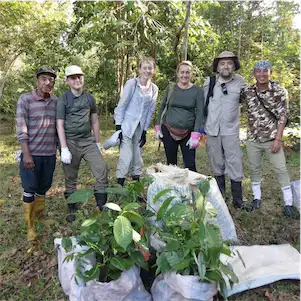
236 190
120 181
288 211
136 178
72 208
221 184
256 204
101 199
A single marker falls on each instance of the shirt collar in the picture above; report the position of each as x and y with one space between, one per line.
37 97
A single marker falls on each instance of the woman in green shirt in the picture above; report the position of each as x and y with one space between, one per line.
180 117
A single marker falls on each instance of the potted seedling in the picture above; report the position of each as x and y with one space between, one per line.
189 262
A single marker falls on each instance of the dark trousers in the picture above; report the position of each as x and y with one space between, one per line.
171 150
40 179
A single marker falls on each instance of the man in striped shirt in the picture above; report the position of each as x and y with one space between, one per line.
36 130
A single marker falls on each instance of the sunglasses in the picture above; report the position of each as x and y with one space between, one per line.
224 88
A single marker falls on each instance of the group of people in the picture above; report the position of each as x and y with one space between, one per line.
187 113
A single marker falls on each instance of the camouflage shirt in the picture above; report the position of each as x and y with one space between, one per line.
262 125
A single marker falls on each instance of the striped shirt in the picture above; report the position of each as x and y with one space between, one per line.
36 123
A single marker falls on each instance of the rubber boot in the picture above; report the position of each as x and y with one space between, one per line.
72 208
39 206
101 199
30 220
120 181
236 190
221 184
136 178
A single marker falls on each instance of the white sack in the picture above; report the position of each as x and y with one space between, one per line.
175 287
296 193
128 287
67 270
264 265
182 181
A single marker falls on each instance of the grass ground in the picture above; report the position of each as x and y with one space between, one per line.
31 273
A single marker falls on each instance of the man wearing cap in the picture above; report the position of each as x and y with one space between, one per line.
266 104
222 124
36 133
76 117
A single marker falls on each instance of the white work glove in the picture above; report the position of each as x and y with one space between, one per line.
66 156
159 134
193 141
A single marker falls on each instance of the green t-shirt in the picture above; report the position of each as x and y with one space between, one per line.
78 119
185 108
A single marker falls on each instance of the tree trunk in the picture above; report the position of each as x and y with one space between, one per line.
186 25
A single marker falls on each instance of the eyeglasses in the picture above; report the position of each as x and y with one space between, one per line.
224 88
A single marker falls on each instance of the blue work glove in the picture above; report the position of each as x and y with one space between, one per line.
202 131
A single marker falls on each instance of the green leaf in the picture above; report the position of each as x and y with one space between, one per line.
162 264
202 232
199 203
122 264
134 217
117 190
160 194
178 213
173 258
91 274
67 243
80 196
201 265
139 259
229 273
131 206
173 245
211 210
163 208
129 5
204 187
112 206
183 264
214 275
89 222
123 231
225 250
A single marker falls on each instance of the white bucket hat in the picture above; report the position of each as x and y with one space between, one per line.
112 141
72 70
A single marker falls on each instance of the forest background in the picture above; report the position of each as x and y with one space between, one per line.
106 38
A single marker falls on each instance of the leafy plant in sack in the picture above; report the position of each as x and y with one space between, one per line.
192 245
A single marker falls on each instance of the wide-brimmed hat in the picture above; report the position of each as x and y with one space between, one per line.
46 70
226 55
112 141
73 70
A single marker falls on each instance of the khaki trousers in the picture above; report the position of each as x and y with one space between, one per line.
85 148
255 151
225 156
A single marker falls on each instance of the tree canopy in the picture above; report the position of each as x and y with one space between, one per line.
106 38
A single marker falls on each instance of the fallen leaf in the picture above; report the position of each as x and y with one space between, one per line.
52 263
269 296
2 201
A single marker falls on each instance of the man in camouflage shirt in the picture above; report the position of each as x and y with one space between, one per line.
267 116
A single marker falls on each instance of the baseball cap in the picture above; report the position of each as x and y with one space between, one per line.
72 70
112 141
46 70
263 64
